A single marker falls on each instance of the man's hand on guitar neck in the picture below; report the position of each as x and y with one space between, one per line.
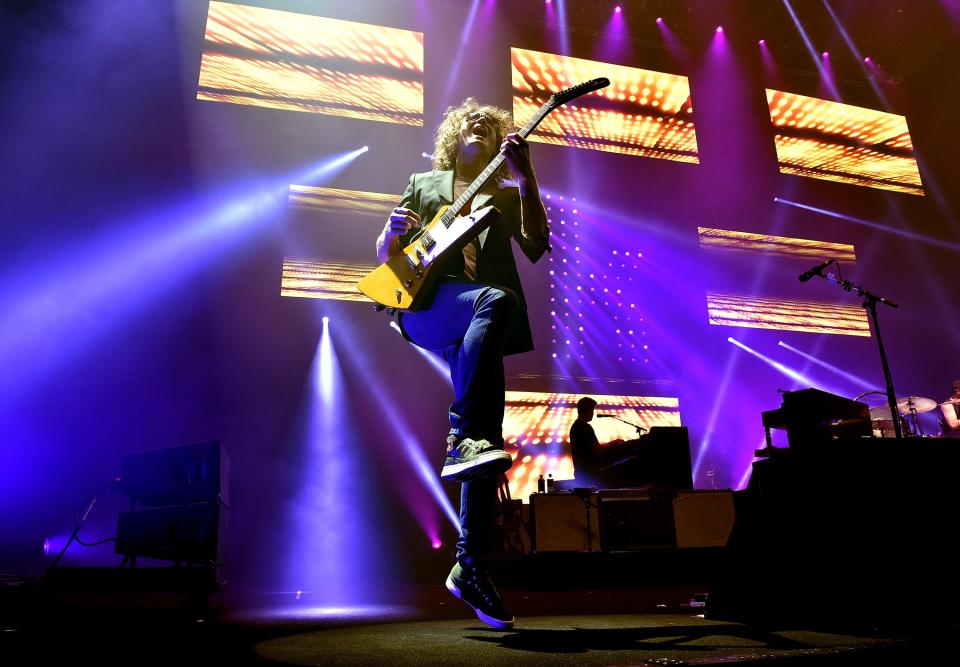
533 216
401 221
516 151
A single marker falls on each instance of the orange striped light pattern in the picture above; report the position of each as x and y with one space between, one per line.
315 279
334 201
839 142
734 310
641 112
299 62
768 244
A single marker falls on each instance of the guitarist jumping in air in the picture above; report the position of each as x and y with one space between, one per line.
474 315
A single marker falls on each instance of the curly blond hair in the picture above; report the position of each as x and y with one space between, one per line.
446 143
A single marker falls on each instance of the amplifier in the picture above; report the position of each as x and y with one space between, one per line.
192 533
703 518
565 522
179 475
634 519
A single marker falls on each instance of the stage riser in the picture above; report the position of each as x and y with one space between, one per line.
857 534
631 520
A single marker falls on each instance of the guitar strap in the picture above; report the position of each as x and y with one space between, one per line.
471 254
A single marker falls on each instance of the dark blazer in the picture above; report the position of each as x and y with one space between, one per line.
430 190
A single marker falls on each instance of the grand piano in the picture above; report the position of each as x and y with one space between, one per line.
812 416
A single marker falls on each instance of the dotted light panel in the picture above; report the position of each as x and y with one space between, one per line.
298 62
536 430
597 307
767 244
314 279
641 112
735 310
333 201
839 142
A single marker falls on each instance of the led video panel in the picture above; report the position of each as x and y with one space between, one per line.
839 142
299 62
337 202
315 279
641 112
767 244
599 301
536 429
734 310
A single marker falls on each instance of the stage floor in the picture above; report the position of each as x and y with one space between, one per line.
427 626
561 640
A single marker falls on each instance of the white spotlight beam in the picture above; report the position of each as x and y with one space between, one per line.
789 372
855 379
435 362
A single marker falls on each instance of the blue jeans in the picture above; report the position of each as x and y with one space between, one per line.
467 324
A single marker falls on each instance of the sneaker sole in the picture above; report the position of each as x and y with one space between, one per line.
485 465
497 623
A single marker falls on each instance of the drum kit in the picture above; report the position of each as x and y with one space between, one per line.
909 408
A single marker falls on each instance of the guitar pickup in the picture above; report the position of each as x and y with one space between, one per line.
427 241
422 261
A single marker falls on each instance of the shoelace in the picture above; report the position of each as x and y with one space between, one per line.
474 579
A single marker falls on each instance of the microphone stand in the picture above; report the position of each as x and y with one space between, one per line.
619 450
639 428
870 303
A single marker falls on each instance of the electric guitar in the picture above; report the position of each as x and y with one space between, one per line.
403 281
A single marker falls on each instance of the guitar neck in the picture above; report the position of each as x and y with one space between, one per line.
494 165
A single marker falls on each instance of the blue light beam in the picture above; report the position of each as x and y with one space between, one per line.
326 515
913 236
814 55
65 305
856 54
464 41
435 361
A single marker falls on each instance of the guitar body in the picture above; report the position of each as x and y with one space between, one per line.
404 281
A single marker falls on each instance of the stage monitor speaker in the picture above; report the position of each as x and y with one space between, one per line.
703 518
565 522
185 533
632 520
179 475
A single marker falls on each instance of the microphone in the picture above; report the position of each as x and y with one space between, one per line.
815 271
611 416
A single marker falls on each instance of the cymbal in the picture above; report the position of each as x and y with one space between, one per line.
918 403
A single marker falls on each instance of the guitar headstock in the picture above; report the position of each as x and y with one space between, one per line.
564 96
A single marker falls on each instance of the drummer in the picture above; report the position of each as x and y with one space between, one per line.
950 413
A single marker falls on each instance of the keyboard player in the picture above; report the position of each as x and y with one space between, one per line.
589 456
